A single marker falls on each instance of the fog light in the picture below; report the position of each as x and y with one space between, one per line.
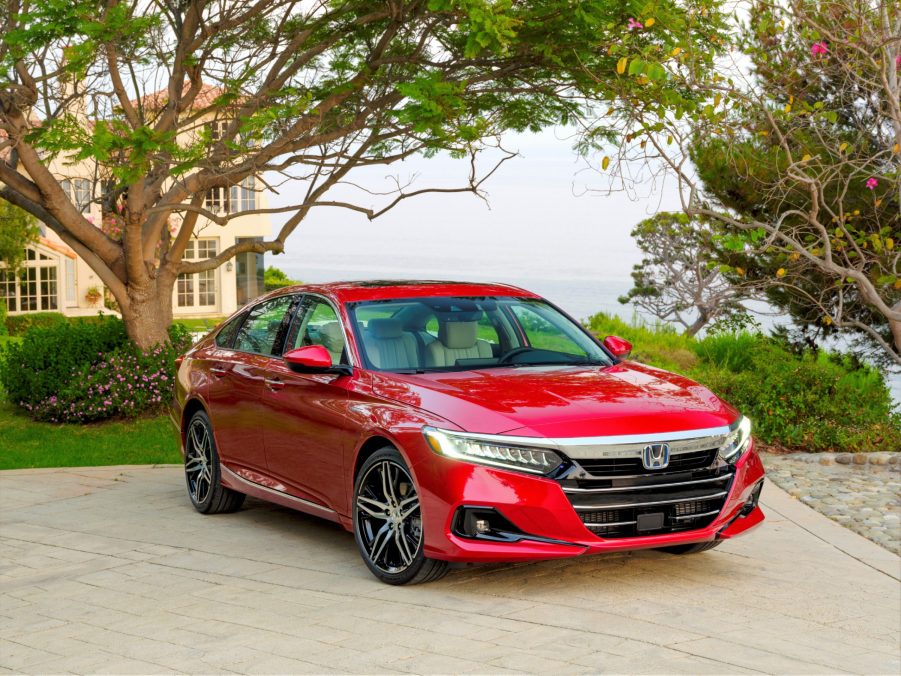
482 526
753 499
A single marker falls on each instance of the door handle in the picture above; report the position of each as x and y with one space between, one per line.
274 383
218 371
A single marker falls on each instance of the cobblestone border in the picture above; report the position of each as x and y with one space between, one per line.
878 458
861 491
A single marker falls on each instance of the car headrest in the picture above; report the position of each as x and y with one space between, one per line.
385 328
331 336
458 335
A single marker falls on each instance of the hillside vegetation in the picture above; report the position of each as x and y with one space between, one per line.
797 400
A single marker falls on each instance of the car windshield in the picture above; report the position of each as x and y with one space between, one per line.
465 333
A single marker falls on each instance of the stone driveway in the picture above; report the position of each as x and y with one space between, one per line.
110 570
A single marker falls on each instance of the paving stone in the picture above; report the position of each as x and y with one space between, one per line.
91 581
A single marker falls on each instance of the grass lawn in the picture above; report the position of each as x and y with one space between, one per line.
25 443
199 324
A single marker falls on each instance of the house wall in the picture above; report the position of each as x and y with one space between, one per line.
253 225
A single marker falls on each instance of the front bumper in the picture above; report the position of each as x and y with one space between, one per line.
550 526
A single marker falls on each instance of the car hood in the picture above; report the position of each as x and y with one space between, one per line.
561 401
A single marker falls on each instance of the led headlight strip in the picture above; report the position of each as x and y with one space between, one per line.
481 451
738 441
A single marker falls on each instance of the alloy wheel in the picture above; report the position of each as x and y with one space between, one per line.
199 461
388 517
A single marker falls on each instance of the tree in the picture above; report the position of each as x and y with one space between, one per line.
794 145
273 279
18 229
680 277
167 101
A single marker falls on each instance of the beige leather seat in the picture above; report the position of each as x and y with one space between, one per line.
389 346
332 340
457 340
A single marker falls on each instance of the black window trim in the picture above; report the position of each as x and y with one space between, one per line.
304 296
278 345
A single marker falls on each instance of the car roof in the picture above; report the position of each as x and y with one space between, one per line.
352 292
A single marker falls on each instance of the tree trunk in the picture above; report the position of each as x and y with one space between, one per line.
895 327
147 313
699 324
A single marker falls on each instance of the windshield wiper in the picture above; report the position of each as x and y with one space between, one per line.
575 362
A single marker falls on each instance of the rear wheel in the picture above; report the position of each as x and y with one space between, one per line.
202 472
691 549
388 522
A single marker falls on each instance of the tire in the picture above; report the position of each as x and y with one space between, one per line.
691 549
203 476
386 502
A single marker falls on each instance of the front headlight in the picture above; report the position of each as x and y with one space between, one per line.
738 441
519 458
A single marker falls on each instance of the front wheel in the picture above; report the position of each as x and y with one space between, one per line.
691 549
388 522
202 472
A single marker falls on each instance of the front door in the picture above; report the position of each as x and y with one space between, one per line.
237 381
309 430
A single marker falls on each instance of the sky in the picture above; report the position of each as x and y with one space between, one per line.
540 228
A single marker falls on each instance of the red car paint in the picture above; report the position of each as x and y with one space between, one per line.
296 438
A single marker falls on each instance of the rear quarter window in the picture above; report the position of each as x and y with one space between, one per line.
226 336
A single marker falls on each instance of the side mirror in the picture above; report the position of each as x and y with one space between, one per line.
314 359
621 349
309 358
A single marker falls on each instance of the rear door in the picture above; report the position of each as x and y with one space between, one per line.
235 394
309 428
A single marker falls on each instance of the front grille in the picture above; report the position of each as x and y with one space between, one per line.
619 498
608 467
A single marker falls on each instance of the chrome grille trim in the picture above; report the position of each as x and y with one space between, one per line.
669 501
612 446
693 516
646 487
612 523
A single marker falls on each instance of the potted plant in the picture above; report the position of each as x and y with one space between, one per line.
93 296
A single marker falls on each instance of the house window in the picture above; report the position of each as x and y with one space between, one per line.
218 128
233 200
249 276
79 191
32 288
71 287
199 289
244 196
217 200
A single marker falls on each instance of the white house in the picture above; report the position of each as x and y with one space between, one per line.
54 278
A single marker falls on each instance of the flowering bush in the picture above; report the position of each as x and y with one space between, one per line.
54 378
121 384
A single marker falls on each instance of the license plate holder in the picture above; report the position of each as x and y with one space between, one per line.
649 522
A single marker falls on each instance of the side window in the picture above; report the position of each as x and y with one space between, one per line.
543 334
259 332
317 324
226 336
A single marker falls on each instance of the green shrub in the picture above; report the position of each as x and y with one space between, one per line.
19 325
273 279
3 312
87 371
43 363
804 401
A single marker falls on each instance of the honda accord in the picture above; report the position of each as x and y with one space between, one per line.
450 422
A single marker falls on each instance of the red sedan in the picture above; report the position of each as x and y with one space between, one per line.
450 422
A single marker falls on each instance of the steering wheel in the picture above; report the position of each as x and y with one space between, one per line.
509 354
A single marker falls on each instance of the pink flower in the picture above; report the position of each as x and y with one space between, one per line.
633 24
898 61
872 183
819 49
